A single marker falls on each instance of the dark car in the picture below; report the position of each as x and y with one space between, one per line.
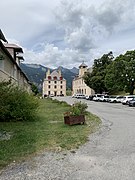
131 103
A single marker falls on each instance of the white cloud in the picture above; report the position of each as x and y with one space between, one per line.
66 32
86 26
52 56
27 20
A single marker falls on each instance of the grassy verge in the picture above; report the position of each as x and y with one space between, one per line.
48 132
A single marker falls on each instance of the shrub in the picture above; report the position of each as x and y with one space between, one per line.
76 109
16 104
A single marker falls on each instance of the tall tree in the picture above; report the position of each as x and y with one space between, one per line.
121 73
96 78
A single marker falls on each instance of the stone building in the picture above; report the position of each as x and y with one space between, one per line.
78 84
10 58
54 84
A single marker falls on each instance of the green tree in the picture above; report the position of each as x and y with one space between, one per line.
120 74
68 92
96 79
34 89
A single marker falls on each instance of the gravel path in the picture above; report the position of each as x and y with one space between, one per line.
108 155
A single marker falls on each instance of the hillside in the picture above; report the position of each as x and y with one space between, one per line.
36 73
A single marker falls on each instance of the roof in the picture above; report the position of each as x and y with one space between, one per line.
20 57
14 46
83 65
2 37
55 74
11 58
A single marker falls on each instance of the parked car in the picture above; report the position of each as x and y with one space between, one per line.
80 96
126 99
119 99
97 97
89 97
132 102
104 98
112 99
116 99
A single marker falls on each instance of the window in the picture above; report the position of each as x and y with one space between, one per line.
49 82
49 93
1 57
55 77
49 86
61 87
49 77
55 86
55 82
61 82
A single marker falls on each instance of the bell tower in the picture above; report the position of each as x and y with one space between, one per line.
82 69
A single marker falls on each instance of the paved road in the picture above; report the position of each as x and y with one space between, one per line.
109 155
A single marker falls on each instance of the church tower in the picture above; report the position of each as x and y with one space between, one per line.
82 69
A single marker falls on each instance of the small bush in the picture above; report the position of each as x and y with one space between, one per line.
16 104
77 108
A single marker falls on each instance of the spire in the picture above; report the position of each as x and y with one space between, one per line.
59 72
48 73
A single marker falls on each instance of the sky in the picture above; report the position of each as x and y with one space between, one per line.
67 32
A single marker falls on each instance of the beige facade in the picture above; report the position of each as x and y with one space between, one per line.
9 68
54 84
78 84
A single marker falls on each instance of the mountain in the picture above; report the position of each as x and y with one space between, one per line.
74 70
36 74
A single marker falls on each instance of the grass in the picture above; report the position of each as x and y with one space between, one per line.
48 132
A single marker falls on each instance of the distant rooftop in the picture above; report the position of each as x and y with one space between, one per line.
14 46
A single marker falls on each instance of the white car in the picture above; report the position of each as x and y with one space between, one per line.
112 99
97 97
80 96
119 99
126 99
87 97
116 99
104 98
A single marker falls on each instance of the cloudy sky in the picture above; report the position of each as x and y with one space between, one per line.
66 32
